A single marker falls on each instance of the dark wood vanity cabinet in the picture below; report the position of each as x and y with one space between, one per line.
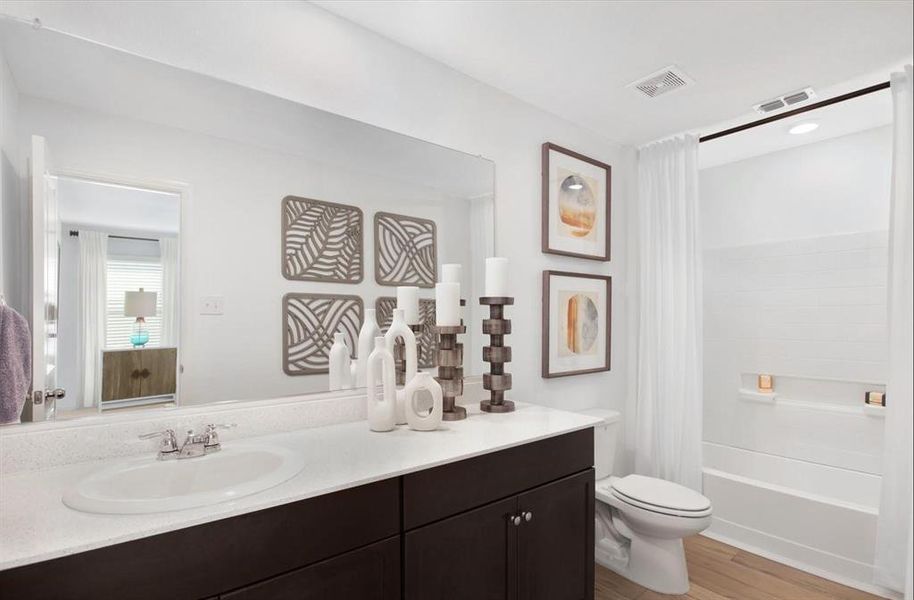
515 524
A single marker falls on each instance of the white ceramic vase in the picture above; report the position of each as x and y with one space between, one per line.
418 418
400 329
367 335
382 408
340 378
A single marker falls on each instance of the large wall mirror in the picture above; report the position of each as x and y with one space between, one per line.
174 239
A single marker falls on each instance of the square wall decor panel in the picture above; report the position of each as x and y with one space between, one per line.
426 340
309 322
406 250
321 241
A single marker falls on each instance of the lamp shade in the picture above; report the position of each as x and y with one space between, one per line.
139 304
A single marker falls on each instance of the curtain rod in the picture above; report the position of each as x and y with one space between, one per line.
848 96
75 233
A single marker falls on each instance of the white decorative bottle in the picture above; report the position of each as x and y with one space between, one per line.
367 334
382 409
399 329
340 361
420 418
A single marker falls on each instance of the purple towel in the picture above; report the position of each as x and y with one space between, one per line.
15 363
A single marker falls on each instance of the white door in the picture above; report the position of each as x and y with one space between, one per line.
45 260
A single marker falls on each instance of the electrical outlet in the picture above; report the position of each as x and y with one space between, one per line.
212 305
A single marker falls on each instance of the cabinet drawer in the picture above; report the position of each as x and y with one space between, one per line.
370 573
203 561
437 493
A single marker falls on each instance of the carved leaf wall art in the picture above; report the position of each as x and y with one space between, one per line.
405 250
309 322
321 241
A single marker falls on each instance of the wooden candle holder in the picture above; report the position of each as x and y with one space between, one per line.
400 355
496 354
450 370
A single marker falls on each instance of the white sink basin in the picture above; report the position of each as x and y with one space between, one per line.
147 485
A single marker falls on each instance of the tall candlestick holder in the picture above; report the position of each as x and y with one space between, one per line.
450 370
496 354
400 355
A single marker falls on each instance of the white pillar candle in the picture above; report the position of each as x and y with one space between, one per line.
408 300
496 277
447 304
450 273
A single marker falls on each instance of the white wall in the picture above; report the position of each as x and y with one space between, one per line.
230 234
323 61
795 286
12 217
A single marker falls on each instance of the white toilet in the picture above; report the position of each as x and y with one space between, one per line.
640 521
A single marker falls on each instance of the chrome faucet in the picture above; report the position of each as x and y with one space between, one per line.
194 444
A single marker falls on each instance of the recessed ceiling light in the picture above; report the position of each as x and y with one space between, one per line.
803 128
576 186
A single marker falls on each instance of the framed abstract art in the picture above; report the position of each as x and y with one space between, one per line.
577 317
576 204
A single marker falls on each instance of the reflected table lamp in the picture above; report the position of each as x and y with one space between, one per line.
139 304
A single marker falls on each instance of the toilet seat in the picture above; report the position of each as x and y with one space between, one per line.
659 496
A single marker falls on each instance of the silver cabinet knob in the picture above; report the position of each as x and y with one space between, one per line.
528 516
516 520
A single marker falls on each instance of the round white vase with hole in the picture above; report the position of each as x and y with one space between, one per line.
382 408
418 417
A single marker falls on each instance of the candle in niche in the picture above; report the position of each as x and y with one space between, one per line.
450 273
447 304
408 300
496 277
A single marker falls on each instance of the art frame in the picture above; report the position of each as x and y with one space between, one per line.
584 302
576 204
322 315
322 241
405 250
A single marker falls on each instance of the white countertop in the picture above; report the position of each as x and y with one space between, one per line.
35 525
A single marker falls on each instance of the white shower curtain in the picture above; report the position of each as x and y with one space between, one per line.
893 538
93 296
168 251
668 400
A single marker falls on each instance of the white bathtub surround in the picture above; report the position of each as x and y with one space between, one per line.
894 533
668 403
35 525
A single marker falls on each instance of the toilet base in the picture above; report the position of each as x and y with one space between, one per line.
658 565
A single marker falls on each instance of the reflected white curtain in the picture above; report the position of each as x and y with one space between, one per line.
668 399
93 295
168 250
893 538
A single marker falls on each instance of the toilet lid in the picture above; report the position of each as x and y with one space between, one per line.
660 495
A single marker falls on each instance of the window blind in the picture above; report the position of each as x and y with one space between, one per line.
131 274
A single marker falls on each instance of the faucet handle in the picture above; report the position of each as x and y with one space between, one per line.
169 442
211 435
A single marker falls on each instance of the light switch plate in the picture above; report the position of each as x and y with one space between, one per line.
212 305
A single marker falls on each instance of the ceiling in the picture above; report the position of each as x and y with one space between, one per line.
116 208
575 58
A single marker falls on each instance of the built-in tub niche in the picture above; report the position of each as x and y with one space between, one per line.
208 164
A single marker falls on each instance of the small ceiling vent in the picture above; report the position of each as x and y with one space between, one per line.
791 99
661 82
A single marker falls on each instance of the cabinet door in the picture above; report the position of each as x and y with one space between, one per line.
121 377
159 371
369 573
472 556
555 547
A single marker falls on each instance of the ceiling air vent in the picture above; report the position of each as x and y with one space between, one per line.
662 81
791 99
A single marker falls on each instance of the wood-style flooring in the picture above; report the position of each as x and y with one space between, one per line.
721 572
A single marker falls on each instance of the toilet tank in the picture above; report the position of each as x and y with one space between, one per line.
604 440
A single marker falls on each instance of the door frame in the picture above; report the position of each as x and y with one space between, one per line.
183 191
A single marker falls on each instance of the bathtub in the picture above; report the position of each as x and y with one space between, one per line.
818 518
